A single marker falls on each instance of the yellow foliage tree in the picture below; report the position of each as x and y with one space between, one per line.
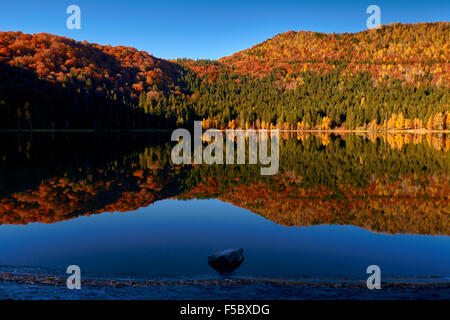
400 123
326 123
438 121
430 124
392 121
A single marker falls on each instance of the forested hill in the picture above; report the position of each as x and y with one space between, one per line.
49 81
393 77
64 60
414 53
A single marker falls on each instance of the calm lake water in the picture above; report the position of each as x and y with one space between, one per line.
117 207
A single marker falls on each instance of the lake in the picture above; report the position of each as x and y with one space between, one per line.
115 205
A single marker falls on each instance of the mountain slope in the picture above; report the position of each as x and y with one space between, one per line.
52 82
410 52
61 59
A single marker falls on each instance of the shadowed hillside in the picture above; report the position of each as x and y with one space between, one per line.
52 82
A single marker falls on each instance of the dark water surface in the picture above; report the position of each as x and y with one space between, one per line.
117 207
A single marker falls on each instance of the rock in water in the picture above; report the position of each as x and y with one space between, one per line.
226 261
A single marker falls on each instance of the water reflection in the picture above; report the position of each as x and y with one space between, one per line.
385 183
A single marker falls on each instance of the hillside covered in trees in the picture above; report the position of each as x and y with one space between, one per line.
416 54
395 77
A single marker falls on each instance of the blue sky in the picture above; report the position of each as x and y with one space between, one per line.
205 29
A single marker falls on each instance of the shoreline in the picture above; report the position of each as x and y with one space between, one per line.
378 131
34 286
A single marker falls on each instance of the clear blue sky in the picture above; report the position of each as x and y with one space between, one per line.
205 29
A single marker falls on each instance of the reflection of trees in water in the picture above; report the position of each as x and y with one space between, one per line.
350 179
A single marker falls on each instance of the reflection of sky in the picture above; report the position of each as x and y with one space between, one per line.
175 238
